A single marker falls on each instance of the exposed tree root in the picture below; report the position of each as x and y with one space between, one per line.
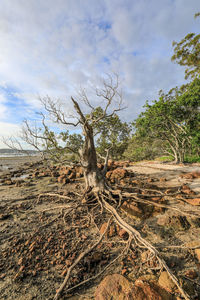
133 232
102 200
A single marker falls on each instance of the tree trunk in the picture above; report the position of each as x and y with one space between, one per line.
94 178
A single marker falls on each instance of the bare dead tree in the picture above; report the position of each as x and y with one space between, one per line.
47 142
110 95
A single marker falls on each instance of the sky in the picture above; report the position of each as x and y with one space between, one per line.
55 47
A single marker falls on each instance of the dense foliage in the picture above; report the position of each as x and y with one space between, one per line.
111 133
172 122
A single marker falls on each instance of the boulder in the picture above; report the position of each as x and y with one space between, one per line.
115 287
166 282
149 290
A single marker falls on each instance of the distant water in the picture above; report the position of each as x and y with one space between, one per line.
16 154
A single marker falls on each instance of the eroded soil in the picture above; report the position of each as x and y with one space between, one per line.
41 236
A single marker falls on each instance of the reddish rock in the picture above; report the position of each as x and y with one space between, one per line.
64 170
184 187
100 166
197 252
72 175
166 282
123 271
55 174
162 179
194 201
123 233
117 174
111 230
64 272
196 174
149 291
187 190
108 174
79 172
62 179
117 287
156 198
114 287
132 209
110 165
163 220
103 227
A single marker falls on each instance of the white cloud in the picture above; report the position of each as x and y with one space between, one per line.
7 130
53 47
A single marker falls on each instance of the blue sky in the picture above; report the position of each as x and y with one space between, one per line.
54 47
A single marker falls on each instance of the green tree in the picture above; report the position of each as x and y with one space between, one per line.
173 120
187 53
111 133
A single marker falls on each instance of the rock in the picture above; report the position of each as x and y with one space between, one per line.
8 182
64 170
62 179
187 190
123 271
194 201
196 174
72 175
132 209
79 172
191 175
103 228
117 174
163 220
197 252
111 230
35 173
175 222
166 282
140 210
114 287
191 274
55 174
117 287
149 290
110 165
123 233
163 179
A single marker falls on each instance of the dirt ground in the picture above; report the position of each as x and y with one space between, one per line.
39 238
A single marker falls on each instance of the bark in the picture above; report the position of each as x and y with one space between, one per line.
94 178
